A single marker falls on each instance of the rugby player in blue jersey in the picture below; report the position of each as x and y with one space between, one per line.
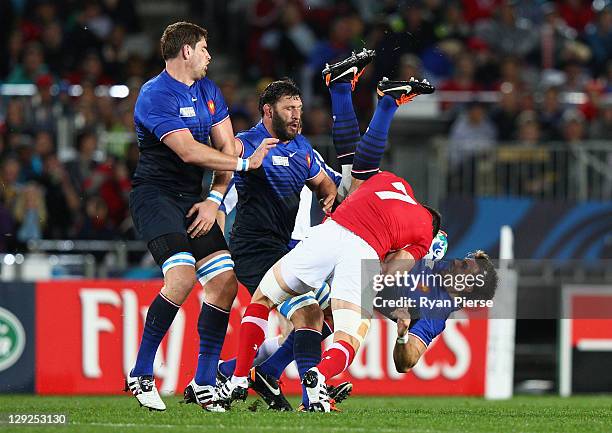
175 114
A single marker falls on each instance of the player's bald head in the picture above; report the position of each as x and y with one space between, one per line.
179 34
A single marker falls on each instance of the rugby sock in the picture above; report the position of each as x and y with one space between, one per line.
307 353
279 360
371 148
212 327
345 129
276 364
159 318
252 333
268 348
336 359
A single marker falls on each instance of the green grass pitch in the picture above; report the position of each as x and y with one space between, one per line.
360 414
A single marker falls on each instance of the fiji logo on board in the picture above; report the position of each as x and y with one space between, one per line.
12 339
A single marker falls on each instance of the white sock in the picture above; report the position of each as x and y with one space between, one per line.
345 183
267 348
239 381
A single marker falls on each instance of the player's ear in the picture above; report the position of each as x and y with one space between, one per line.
267 109
186 51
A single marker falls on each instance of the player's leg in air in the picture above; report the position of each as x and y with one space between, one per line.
350 321
182 258
360 156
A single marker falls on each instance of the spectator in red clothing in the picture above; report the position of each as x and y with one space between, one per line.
576 13
476 10
91 70
112 183
463 78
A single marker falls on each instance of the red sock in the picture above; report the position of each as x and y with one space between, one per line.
252 333
336 359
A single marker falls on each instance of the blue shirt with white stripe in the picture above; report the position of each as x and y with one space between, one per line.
165 105
269 197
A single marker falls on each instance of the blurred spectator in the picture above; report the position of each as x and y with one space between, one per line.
528 129
91 70
550 114
507 34
471 133
576 13
601 128
111 182
9 181
476 10
317 121
43 147
7 226
32 66
61 199
554 36
45 108
453 25
30 213
576 77
593 90
52 39
573 127
463 78
599 37
83 165
410 66
504 115
16 121
95 224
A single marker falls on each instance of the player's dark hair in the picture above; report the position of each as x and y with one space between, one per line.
178 35
276 90
486 289
436 219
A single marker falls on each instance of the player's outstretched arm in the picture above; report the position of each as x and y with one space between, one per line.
398 261
192 152
408 349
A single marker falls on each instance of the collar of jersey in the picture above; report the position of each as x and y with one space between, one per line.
176 83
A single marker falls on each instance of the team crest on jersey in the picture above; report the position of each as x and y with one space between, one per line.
308 161
211 106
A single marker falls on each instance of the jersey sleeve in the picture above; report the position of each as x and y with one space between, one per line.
247 146
220 107
158 112
418 251
230 199
333 174
314 166
426 329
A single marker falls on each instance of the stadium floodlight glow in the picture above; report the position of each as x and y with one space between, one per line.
119 91
17 90
19 259
75 90
9 260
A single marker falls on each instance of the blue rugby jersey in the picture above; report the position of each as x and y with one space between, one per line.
269 197
431 321
165 105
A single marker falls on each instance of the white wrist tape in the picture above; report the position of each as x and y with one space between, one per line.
215 196
403 339
242 164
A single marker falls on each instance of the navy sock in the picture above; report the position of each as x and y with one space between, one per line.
345 129
371 148
227 367
212 327
279 360
159 318
307 353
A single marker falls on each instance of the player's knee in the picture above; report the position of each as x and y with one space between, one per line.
222 289
309 316
178 283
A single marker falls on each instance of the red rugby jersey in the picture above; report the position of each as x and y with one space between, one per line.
384 213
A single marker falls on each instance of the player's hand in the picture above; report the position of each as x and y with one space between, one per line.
260 153
402 327
327 202
206 216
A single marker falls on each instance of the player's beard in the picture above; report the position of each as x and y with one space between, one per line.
281 128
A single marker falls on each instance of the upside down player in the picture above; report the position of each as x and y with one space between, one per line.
175 113
380 217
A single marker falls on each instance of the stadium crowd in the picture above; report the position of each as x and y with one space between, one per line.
533 54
